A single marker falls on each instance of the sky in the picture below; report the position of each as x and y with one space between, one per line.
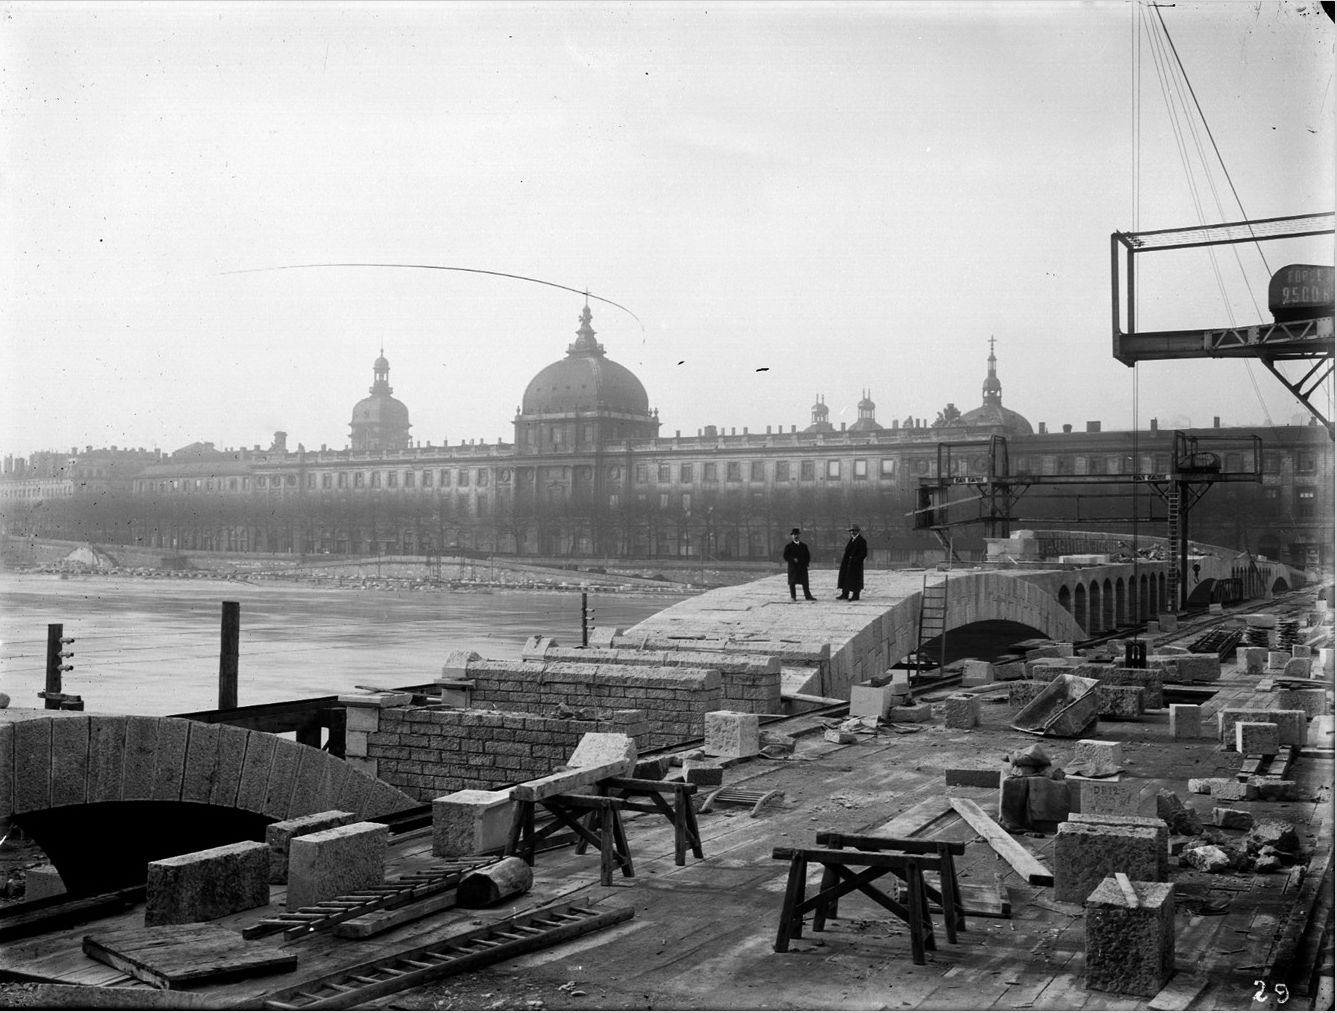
786 200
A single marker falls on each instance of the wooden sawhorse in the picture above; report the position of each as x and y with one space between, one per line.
840 866
568 810
947 895
630 790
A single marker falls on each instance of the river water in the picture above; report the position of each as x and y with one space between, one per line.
151 646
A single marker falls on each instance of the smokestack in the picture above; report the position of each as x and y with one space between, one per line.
1154 427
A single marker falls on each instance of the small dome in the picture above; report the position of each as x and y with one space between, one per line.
382 364
585 380
995 415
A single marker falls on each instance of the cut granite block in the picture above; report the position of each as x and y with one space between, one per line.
1292 725
1255 660
1110 797
1297 668
1130 948
867 700
1277 660
597 749
332 862
1096 757
1257 738
1151 679
732 733
470 822
961 710
1312 701
1301 651
1168 622
209 884
914 712
977 673
703 773
1261 620
1120 703
1232 819
279 836
1084 854
1227 789
1188 667
1133 820
1185 720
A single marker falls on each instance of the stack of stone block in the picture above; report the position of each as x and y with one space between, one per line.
1292 725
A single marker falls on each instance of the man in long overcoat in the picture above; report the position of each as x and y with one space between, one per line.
850 580
796 558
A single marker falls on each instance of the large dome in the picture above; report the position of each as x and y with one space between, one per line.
381 409
380 422
584 381
992 412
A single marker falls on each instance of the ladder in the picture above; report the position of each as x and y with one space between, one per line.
465 951
1173 535
932 624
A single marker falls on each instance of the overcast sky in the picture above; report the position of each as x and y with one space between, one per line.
850 196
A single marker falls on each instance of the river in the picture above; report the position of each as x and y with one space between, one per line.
151 646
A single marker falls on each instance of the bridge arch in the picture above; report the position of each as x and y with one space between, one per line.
103 795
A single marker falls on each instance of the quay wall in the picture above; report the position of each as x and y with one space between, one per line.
427 752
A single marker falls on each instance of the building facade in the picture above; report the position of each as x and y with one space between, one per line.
588 474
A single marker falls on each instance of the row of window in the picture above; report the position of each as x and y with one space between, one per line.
710 471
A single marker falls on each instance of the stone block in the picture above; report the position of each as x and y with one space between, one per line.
1190 668
1084 854
1273 789
1096 757
900 683
1046 669
1257 738
1133 820
1324 660
867 700
977 673
1312 701
605 636
1150 679
331 862
703 772
470 822
1292 725
1120 703
1115 798
42 881
1023 691
69 761
456 666
972 777
279 836
961 710
1185 720
1202 785
1181 819
1262 620
209 884
1009 670
1255 660
732 733
599 749
1215 608
839 737
915 712
1227 789
1301 651
1276 660
1297 668
1232 819
1130 949
1168 622
536 647
141 749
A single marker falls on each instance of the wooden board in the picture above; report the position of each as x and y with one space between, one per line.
170 956
914 819
382 921
1016 855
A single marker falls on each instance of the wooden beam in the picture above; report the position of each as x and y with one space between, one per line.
1015 854
914 819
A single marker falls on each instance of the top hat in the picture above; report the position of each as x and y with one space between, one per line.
854 528
793 531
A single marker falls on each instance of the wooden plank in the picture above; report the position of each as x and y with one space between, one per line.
565 782
172 956
1179 993
1126 885
382 921
1015 854
914 819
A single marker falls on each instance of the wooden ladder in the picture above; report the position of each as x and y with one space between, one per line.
465 951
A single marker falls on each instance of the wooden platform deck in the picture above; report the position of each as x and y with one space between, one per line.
703 933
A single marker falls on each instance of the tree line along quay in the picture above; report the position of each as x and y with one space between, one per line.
590 473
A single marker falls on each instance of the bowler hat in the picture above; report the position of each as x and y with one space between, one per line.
854 527
793 531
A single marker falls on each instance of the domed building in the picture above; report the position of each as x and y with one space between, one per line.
821 417
583 401
866 423
380 422
992 413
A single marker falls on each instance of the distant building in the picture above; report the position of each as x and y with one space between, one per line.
589 475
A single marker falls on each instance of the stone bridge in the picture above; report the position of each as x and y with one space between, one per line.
104 794
860 640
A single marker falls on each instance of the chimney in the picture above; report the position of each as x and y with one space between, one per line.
1154 427
842 427
793 429
1093 427
768 430
1067 427
1044 428
280 442
1216 423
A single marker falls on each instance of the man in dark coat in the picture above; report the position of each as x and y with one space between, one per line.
850 580
796 556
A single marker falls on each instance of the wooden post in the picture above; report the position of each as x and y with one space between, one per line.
227 656
584 620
